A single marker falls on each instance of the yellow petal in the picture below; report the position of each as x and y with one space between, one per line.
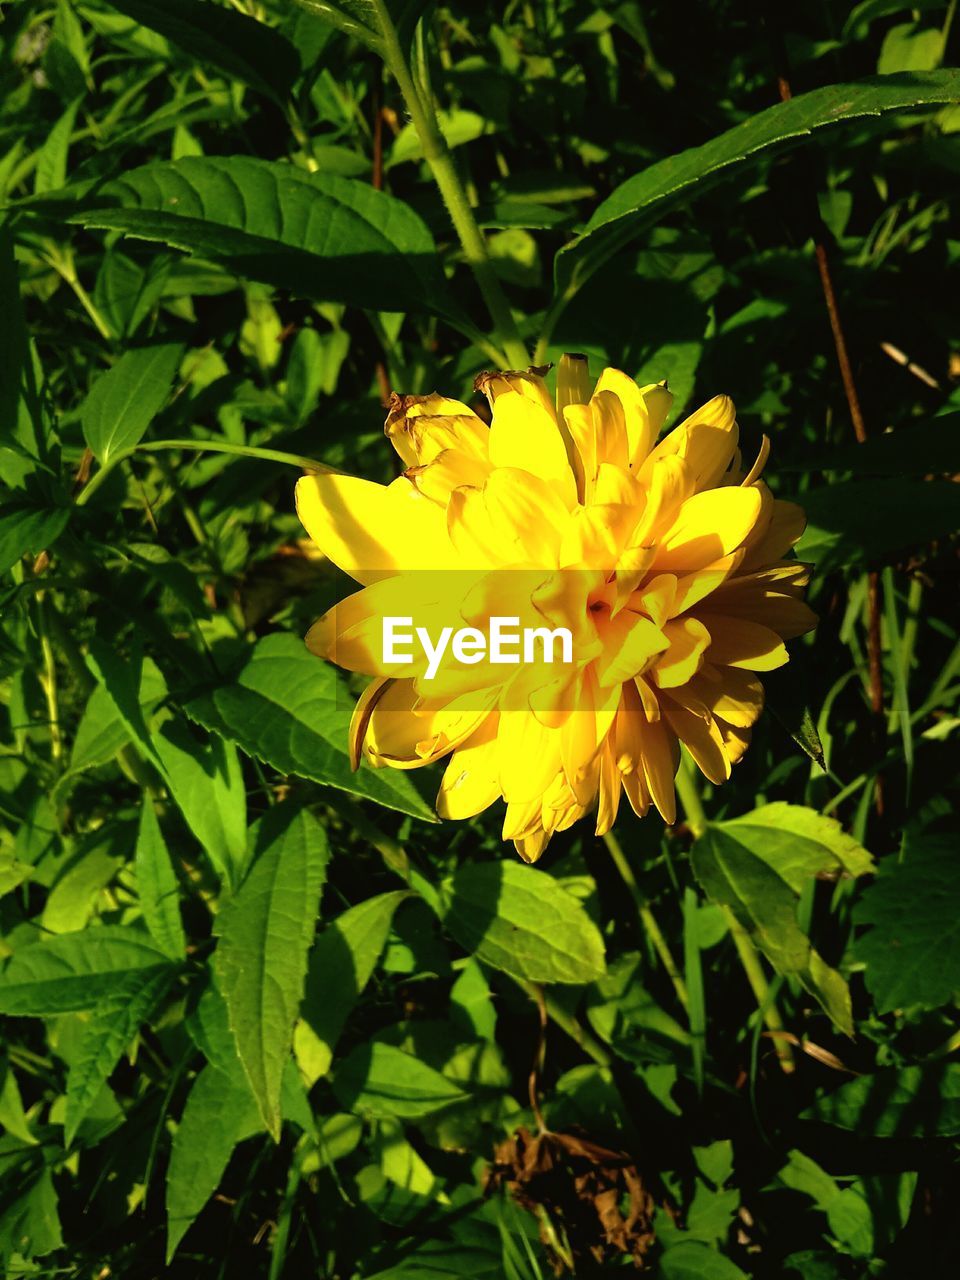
771 542
527 383
709 441
656 598
470 782
631 569
708 525
573 382
668 487
610 429
372 530
702 738
531 848
449 470
645 410
616 485
688 639
420 427
749 597
400 737
737 642
731 694
351 633
360 719
528 756
608 790
660 759
694 587
630 641
525 435
578 421
635 789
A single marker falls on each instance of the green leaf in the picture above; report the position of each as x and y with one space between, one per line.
238 45
28 526
12 873
677 179
340 965
757 866
695 1261
861 522
157 885
30 1224
381 1080
218 1114
113 1023
124 401
265 931
324 237
121 680
206 781
911 948
912 1102
74 893
915 449
74 971
21 423
799 843
102 731
520 920
51 170
289 709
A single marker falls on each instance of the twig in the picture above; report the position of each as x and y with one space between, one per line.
536 1070
874 646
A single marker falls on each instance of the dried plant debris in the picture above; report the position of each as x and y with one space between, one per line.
591 1202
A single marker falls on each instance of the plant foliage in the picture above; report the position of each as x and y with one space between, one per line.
263 1015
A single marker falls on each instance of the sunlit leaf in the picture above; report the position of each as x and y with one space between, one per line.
265 931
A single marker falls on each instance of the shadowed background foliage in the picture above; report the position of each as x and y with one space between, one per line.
263 1016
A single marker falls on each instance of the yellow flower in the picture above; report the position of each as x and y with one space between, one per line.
663 559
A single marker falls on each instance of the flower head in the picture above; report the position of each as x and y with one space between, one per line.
662 558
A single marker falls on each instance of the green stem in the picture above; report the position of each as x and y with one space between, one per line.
689 795
66 270
753 968
440 162
647 918
568 1023
48 680
199 446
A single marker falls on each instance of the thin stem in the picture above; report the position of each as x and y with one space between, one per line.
647 918
66 270
539 1057
689 797
945 31
440 162
48 680
753 968
200 446
568 1023
692 805
874 646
